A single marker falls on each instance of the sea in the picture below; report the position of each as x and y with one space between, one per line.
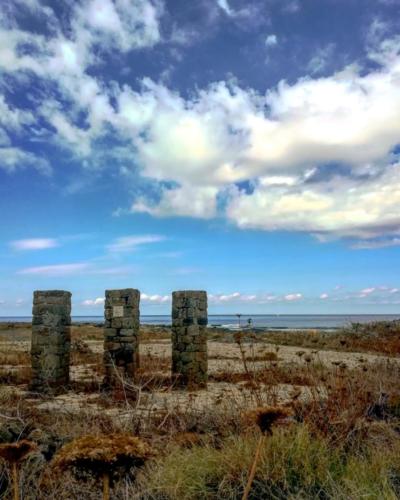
233 322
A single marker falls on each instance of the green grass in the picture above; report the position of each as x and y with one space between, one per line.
294 464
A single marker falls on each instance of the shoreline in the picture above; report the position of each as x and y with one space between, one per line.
215 328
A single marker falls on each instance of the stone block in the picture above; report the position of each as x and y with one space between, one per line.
50 346
116 323
121 341
110 332
189 340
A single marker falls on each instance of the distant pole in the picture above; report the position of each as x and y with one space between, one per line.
239 316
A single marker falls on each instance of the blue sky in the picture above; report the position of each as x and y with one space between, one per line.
248 148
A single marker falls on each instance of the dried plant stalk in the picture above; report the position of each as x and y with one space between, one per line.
106 486
13 454
253 467
15 481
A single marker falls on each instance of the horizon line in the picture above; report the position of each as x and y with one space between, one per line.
233 314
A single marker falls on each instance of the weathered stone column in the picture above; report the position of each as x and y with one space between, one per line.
51 339
121 334
189 338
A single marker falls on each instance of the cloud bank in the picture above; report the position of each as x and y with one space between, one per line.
320 155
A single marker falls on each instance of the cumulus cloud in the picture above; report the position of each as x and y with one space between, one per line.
13 118
34 244
144 297
183 201
231 297
262 298
380 294
154 299
365 292
125 24
224 5
350 207
317 155
250 11
94 27
131 243
13 158
271 40
94 302
290 297
106 24
223 137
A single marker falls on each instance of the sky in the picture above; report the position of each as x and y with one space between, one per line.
250 148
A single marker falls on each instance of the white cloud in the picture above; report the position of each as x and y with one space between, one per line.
195 143
55 270
364 208
11 59
284 143
119 24
183 201
323 296
93 302
94 27
12 158
293 296
223 136
271 40
73 136
374 244
262 298
246 16
224 5
233 297
131 243
13 118
123 24
154 299
367 291
34 244
321 58
379 294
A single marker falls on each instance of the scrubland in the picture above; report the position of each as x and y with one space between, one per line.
342 440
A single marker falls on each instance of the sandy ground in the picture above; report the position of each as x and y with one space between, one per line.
223 357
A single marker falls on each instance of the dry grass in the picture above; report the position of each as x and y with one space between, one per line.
376 337
344 441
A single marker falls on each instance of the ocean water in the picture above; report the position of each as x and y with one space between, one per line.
231 321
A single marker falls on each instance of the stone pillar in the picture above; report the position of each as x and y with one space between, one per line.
189 338
51 339
121 334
